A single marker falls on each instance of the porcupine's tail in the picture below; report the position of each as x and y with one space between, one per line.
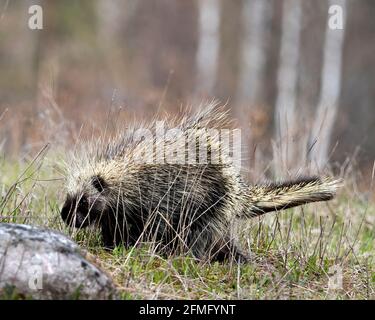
280 196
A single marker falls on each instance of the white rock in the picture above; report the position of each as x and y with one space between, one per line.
43 264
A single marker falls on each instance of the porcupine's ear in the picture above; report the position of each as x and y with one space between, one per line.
99 183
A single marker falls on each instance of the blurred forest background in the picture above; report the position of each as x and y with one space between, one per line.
303 93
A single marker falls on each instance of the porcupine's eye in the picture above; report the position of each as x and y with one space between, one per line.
99 183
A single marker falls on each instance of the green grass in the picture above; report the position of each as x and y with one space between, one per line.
296 253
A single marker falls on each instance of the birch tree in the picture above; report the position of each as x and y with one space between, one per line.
208 46
285 107
256 18
331 83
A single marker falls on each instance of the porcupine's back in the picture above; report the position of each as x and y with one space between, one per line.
125 153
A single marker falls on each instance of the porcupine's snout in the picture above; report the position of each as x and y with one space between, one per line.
80 212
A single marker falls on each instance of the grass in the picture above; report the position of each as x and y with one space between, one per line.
319 251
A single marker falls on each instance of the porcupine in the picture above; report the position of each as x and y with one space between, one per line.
178 207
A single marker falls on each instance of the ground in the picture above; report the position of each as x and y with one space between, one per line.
318 251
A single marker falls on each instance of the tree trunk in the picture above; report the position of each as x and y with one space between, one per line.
329 92
208 47
256 17
285 108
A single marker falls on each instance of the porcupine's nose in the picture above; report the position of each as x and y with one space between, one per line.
75 211
68 210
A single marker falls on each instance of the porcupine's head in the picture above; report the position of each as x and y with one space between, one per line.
85 201
93 175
